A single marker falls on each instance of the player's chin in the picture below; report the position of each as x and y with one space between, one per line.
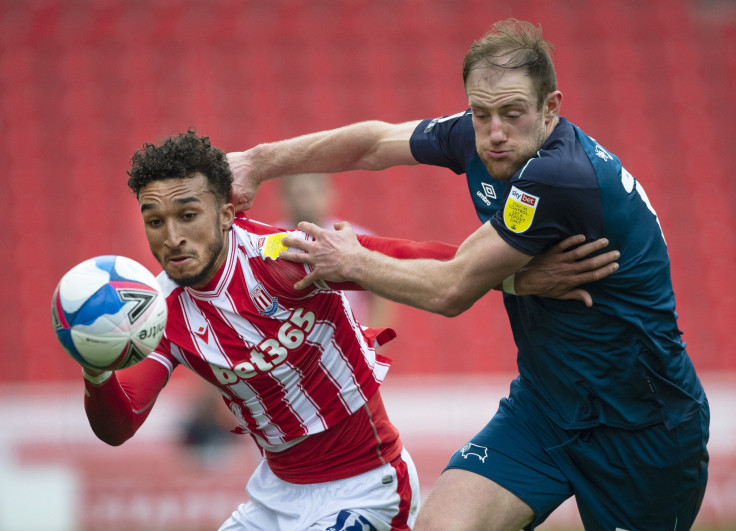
501 172
184 279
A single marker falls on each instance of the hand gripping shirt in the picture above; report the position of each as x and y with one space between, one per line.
621 362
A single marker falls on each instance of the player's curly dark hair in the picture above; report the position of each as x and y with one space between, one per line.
182 156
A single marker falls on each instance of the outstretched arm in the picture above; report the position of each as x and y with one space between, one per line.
446 287
556 273
371 145
117 406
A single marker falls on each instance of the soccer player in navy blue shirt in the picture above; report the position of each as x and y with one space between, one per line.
607 406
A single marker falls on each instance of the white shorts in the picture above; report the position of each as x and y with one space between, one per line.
371 499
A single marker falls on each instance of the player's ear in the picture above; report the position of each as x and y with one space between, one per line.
227 216
552 105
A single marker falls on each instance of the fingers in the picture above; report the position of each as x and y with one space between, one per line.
293 256
242 207
598 262
586 249
305 282
569 242
578 295
300 243
342 225
310 228
597 274
292 242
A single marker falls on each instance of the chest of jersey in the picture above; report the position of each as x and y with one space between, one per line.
486 192
247 334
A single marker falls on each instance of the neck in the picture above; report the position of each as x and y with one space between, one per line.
216 264
551 126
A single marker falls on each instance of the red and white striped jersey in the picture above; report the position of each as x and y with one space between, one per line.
293 366
289 363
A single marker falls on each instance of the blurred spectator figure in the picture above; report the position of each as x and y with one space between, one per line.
206 428
311 197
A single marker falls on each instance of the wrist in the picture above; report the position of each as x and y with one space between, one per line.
353 264
249 161
508 285
96 377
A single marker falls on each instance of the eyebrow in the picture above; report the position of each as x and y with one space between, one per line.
180 201
512 103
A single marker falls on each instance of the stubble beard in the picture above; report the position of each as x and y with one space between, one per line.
507 169
214 249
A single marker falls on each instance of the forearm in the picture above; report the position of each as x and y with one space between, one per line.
445 287
109 412
370 145
448 287
427 284
119 406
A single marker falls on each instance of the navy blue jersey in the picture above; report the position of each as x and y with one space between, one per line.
450 142
621 363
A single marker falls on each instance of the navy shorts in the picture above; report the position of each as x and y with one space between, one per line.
645 479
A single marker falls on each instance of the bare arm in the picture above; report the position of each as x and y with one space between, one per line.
371 145
445 287
556 273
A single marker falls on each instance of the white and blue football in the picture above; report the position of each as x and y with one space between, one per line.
108 312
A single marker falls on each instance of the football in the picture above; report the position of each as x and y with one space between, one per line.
108 312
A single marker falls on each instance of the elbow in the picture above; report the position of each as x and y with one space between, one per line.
112 441
386 146
453 310
452 302
110 438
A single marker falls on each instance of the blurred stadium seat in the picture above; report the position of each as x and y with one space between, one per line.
86 85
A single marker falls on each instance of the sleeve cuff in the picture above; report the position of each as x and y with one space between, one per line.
508 285
96 379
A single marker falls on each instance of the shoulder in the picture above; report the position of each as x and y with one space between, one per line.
562 161
447 141
254 227
260 246
460 122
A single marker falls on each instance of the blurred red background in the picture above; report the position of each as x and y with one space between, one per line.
84 84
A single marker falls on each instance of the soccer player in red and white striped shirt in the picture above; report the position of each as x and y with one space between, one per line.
295 368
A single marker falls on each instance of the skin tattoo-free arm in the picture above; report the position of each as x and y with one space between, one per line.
444 287
372 145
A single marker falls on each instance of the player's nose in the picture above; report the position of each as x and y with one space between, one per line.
496 131
173 235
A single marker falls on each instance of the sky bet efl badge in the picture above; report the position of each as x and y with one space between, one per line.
271 246
519 210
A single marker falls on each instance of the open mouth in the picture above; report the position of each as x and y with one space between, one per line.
178 260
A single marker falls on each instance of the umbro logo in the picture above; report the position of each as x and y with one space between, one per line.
487 194
488 190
